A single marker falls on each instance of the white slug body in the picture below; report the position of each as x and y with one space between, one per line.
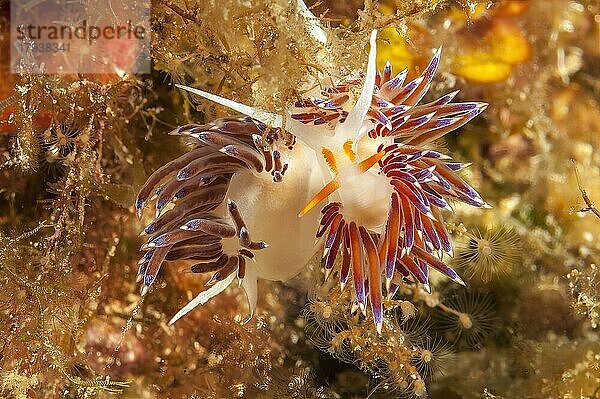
270 211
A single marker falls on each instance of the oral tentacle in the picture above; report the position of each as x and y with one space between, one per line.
250 285
265 117
260 115
203 297
350 129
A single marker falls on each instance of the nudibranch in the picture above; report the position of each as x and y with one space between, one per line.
244 204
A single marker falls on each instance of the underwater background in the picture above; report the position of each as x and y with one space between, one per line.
76 148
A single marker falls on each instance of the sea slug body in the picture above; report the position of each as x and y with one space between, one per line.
354 170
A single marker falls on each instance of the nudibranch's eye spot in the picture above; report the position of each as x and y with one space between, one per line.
361 148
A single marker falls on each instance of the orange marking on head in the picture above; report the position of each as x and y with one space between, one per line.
349 151
335 183
372 160
320 196
330 159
